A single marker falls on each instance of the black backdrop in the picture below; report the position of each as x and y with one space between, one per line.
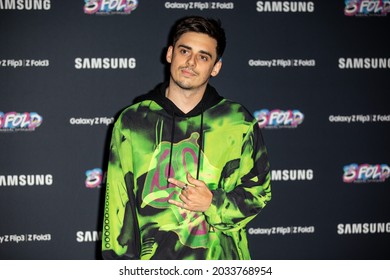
315 74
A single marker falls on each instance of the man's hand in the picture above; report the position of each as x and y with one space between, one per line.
195 196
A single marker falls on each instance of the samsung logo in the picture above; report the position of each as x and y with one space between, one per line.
285 6
25 4
364 63
292 175
88 236
26 180
105 63
363 228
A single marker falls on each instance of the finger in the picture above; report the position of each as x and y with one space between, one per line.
179 204
192 180
177 183
184 198
195 182
174 202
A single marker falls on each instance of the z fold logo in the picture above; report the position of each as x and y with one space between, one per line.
279 118
366 173
110 7
13 121
367 7
94 178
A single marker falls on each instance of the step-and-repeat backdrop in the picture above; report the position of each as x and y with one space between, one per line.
314 73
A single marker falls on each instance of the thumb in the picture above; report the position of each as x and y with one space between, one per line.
191 179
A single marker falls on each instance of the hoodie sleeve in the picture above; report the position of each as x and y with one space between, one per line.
119 239
244 188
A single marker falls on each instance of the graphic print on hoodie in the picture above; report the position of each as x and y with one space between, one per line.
218 142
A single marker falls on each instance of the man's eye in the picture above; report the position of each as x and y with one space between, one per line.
204 58
183 51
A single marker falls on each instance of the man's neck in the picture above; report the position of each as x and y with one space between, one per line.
184 99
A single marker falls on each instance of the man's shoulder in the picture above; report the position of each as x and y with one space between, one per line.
140 107
234 107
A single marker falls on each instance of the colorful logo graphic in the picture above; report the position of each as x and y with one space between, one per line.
279 118
367 7
13 121
366 173
94 178
157 191
105 7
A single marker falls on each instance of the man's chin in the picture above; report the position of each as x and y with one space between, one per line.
184 86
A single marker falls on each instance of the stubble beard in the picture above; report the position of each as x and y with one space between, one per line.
187 86
182 85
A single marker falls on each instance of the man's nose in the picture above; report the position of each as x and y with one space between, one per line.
191 61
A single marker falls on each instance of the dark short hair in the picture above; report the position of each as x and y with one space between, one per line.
198 24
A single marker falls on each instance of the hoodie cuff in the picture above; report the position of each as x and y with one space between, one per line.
212 213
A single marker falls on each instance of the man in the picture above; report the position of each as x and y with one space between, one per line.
188 169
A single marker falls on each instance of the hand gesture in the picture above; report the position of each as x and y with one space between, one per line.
194 196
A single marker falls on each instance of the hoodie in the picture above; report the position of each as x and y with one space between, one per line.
218 142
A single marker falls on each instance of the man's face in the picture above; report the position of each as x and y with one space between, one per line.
193 60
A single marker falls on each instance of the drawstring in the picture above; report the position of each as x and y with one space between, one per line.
200 146
171 149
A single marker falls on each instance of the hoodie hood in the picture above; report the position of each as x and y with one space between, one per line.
209 99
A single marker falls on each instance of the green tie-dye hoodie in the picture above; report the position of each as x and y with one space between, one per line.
218 142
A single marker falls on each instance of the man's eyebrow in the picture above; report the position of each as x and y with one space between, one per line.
201 51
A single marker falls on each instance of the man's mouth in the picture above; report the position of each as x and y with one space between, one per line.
188 72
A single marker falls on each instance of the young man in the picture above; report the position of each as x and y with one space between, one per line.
188 169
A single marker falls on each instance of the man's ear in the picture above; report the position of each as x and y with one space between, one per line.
169 54
217 67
